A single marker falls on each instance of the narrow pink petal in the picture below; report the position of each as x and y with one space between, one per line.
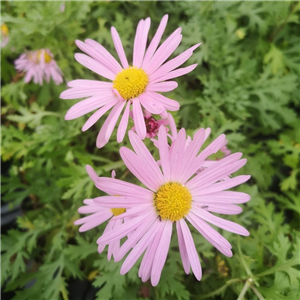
74 93
191 249
177 155
211 235
155 41
138 118
114 186
220 169
164 153
136 236
224 185
162 86
123 229
98 114
225 209
87 105
224 224
121 201
138 168
172 126
86 83
140 42
91 172
182 249
150 105
167 103
100 54
109 125
138 249
147 262
135 211
108 227
164 51
161 253
107 58
88 209
95 220
119 47
197 164
94 65
173 63
176 73
142 151
123 124
223 197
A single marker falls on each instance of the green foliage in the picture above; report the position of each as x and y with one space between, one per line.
246 85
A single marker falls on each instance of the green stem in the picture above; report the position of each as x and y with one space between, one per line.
257 293
248 271
245 288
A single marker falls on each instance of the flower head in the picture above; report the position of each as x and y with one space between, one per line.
39 65
175 192
99 215
4 35
135 86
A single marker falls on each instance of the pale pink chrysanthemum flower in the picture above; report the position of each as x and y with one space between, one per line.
99 215
137 85
39 65
4 35
174 193
152 124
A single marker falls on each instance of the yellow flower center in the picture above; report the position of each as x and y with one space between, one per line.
4 30
118 211
173 201
131 82
48 58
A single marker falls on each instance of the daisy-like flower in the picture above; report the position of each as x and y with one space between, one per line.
4 35
137 85
174 193
39 65
99 215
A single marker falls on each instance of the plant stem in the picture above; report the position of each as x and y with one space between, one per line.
257 293
244 290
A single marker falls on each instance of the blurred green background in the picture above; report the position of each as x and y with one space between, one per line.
246 86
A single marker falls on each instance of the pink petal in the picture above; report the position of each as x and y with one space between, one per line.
161 253
225 209
150 105
162 86
138 119
155 41
87 105
108 227
94 65
223 197
167 103
86 83
191 249
74 93
182 249
176 73
164 51
107 58
95 220
109 125
121 201
210 234
138 168
140 42
119 47
224 224
164 153
123 124
172 126
145 156
97 115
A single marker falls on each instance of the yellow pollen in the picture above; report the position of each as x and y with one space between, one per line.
172 201
131 82
118 211
48 58
4 30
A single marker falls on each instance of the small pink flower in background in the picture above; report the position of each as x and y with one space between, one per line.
224 149
4 35
39 65
99 215
137 85
62 7
173 194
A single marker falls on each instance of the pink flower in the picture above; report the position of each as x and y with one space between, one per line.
99 215
224 149
39 65
135 85
4 35
174 193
